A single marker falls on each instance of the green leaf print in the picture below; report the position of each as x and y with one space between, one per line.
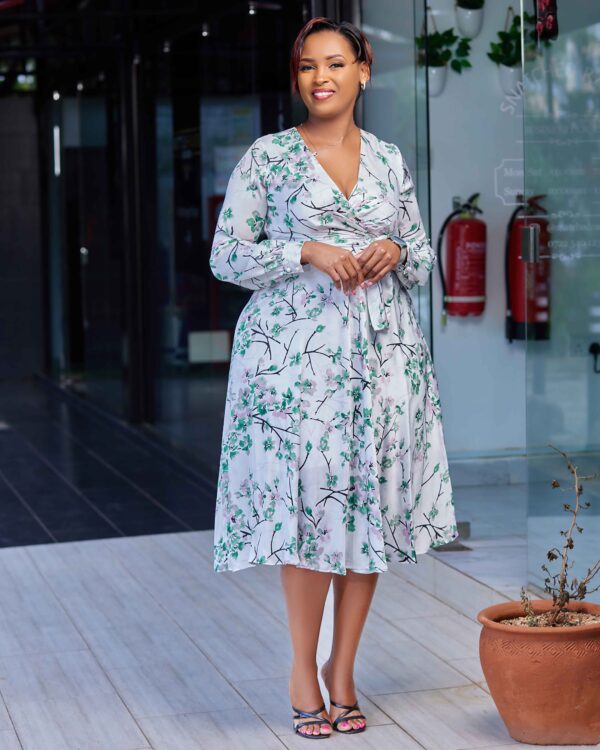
323 406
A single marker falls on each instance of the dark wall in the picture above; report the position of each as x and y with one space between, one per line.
21 331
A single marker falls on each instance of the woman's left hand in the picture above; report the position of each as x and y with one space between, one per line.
378 259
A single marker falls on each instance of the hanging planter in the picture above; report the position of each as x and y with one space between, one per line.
510 77
436 79
506 52
469 17
439 50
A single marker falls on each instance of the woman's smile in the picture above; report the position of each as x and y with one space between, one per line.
321 94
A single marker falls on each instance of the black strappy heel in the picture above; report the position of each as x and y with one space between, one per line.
344 714
312 718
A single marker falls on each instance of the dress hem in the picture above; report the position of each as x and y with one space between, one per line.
244 564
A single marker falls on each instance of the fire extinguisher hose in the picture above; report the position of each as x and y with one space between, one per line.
468 205
511 221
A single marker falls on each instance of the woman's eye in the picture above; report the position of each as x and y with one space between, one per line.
306 67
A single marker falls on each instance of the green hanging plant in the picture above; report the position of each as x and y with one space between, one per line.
507 51
439 48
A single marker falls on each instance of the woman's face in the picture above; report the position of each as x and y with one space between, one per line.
328 62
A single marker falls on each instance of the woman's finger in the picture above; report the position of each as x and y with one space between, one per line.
365 255
380 253
383 265
356 271
343 273
381 272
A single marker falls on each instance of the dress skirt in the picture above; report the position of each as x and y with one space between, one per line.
332 448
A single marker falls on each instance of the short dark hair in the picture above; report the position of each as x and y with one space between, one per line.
361 45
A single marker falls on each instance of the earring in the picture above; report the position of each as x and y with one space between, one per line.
362 85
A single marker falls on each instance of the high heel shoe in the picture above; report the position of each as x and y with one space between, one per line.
312 718
344 714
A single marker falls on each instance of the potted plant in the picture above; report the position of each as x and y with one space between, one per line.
506 52
541 658
439 49
469 17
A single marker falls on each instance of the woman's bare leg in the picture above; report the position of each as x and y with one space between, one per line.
353 594
305 594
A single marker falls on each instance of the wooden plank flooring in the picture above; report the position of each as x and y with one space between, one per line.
136 643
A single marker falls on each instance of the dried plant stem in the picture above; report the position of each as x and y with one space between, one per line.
561 594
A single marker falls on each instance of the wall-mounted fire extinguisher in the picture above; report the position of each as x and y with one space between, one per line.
463 284
527 288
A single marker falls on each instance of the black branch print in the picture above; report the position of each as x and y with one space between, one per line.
332 453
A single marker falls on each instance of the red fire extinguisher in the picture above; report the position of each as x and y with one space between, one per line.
527 288
464 283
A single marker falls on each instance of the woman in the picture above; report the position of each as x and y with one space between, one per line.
333 460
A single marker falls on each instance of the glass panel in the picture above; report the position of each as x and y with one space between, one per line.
395 107
561 289
86 263
218 88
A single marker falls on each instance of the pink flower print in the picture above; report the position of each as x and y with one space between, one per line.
539 27
406 534
376 533
325 534
269 398
549 21
275 496
327 297
429 410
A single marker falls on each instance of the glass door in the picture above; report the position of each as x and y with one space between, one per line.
93 248
396 106
560 283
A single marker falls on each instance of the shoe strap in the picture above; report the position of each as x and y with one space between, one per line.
341 705
344 714
310 713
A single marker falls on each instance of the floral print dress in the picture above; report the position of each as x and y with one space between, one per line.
332 452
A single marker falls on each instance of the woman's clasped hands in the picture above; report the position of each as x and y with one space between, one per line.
348 270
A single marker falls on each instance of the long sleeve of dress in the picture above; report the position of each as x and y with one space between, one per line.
236 255
411 232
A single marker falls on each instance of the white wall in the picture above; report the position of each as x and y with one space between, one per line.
481 376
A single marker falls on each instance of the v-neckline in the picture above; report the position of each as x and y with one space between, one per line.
326 173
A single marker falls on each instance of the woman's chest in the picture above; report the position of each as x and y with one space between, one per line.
303 195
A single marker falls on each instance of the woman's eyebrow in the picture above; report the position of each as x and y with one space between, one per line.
312 59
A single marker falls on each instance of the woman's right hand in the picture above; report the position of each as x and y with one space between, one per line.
337 262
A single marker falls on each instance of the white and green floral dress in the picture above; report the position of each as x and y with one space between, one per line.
332 453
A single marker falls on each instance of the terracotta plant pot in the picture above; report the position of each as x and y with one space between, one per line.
544 681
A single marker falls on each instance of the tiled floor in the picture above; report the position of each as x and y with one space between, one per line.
122 637
135 643
67 475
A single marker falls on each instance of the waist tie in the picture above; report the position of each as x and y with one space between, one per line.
379 297
379 301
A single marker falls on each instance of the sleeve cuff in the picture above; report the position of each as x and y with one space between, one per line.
291 253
